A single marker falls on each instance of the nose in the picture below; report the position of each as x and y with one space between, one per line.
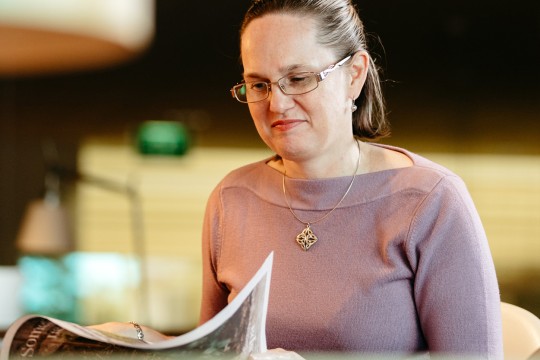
279 101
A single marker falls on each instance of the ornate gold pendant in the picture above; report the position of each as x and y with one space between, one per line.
306 238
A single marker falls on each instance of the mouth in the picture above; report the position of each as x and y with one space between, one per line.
283 124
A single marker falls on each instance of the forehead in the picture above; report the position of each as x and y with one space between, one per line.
275 42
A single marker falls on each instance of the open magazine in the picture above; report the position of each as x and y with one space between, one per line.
235 332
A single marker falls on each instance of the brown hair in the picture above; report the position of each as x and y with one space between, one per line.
340 28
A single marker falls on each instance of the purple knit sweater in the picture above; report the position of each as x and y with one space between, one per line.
401 266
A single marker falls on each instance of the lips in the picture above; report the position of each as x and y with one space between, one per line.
286 124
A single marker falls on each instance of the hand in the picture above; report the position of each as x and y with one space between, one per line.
276 354
128 330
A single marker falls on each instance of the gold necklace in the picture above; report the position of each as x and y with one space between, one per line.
307 238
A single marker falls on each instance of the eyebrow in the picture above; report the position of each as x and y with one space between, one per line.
285 70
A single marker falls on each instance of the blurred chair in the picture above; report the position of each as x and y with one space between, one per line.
521 332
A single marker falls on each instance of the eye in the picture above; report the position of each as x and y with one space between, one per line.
298 78
257 86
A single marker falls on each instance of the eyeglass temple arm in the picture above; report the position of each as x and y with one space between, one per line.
233 89
323 74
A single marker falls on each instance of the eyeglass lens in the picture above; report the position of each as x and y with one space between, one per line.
294 84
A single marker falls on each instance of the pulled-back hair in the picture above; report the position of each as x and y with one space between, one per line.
339 28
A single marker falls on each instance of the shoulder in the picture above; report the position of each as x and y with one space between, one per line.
404 170
384 157
408 166
257 178
443 194
247 174
378 157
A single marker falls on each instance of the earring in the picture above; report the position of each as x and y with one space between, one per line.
353 107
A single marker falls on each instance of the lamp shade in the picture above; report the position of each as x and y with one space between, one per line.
52 36
45 230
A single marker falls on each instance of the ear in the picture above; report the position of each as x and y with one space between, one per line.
358 73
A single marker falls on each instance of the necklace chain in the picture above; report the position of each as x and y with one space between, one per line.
307 238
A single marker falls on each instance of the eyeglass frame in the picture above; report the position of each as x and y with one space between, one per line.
318 76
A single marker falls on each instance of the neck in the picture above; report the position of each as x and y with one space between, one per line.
342 164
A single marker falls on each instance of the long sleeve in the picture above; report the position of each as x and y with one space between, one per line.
214 297
455 285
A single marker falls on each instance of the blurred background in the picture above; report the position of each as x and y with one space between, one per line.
463 88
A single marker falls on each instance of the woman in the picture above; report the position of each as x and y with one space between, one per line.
375 249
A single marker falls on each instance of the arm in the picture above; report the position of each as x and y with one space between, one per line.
130 330
215 295
456 291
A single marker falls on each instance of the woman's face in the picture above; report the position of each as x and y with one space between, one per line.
297 127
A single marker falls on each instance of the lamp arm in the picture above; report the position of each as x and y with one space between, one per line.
137 221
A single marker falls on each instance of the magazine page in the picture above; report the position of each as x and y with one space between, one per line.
235 332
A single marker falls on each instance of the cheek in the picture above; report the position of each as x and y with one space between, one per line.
256 112
327 104
334 95
258 116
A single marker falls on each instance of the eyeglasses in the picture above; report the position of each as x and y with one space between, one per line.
292 84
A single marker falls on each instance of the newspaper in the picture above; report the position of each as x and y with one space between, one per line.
235 332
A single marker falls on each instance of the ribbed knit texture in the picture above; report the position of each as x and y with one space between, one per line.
401 266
